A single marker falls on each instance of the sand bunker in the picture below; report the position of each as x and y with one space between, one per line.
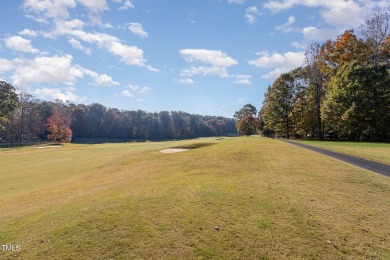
48 146
174 150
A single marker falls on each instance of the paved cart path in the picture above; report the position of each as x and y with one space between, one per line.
362 163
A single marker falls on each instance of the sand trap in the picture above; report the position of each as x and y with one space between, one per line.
49 146
174 150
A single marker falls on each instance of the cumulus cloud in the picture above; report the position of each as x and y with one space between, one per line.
251 14
21 44
288 26
78 46
280 63
105 80
133 89
127 5
50 70
28 32
344 14
145 90
56 93
127 93
130 55
137 29
49 9
100 79
59 9
57 12
94 6
5 65
340 14
314 34
217 62
337 16
243 79
236 1
186 81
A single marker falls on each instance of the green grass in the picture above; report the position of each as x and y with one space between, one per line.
269 200
379 152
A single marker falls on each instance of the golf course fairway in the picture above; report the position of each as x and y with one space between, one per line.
232 198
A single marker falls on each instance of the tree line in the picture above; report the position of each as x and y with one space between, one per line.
343 91
25 119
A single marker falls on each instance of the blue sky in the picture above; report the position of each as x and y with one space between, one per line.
205 57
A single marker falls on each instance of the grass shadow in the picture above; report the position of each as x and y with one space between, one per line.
193 146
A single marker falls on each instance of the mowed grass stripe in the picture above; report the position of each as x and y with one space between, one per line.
267 198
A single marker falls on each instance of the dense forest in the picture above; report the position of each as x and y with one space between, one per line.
24 119
343 91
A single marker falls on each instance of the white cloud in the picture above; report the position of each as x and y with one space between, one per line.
277 6
241 100
145 90
108 26
78 46
337 16
186 81
100 79
18 43
94 6
312 33
63 27
217 60
213 57
130 55
49 8
236 1
51 70
28 32
105 80
55 93
251 14
127 5
45 10
137 29
280 63
5 65
340 14
344 14
135 88
287 27
57 12
243 79
127 93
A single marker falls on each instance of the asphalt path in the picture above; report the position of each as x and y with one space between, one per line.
376 167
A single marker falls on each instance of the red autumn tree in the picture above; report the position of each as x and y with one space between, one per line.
58 124
247 125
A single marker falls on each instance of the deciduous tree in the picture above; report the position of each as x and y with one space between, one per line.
247 125
58 125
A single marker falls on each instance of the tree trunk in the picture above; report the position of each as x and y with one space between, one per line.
318 106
